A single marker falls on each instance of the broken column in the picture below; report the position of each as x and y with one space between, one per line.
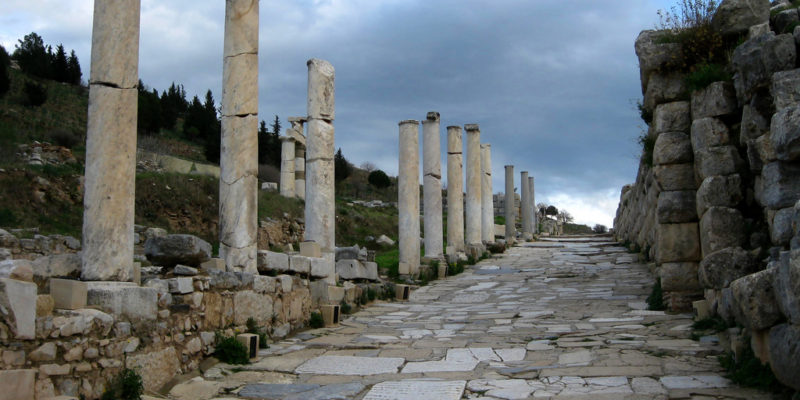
534 224
408 197
487 205
296 131
432 189
511 231
320 214
455 192
473 215
110 177
525 206
238 185
287 166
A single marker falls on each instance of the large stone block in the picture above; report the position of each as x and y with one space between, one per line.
719 269
299 264
664 88
680 277
18 384
672 148
68 294
323 293
719 191
156 367
756 307
18 307
310 249
124 299
717 99
781 184
677 243
780 227
672 117
786 283
675 177
177 249
676 207
249 304
321 83
784 351
709 132
653 54
272 261
323 268
785 133
721 160
737 16
785 88
754 124
721 227
755 61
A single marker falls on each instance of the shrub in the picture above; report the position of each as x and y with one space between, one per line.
689 24
379 179
230 351
648 143
345 308
499 219
127 385
748 370
252 327
644 113
655 301
705 74
456 268
65 138
35 94
364 297
316 321
599 228
372 294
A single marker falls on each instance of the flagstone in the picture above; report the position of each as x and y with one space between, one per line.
348 365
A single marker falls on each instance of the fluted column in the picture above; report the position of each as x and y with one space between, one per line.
487 205
408 197
509 206
110 176
432 181
473 215
525 205
455 191
287 166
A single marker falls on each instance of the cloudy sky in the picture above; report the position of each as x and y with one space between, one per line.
553 84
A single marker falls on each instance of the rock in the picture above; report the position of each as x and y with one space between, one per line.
286 283
17 384
785 133
781 186
757 59
347 253
721 160
248 304
184 270
156 367
720 268
134 302
180 285
5 254
672 117
269 186
272 261
734 17
719 191
677 243
45 352
44 305
55 369
653 55
214 263
754 124
170 250
264 284
13 357
717 99
784 89
780 228
384 240
672 148
74 354
784 351
20 270
709 132
322 268
663 88
784 20
721 227
57 266
755 300
680 277
154 233
786 283
354 269
675 177
676 207
18 307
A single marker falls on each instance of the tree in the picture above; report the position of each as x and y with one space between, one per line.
269 144
5 81
32 56
276 126
565 216
59 65
74 69
379 179
341 167
173 105
367 166
551 210
600 228
149 116
35 94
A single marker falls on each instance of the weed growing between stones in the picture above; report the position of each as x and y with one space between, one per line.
364 297
252 327
127 385
372 294
705 74
655 301
345 308
316 321
748 371
648 143
230 351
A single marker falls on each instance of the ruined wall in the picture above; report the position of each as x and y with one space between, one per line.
720 202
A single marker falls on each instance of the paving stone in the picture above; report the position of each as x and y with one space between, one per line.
417 390
347 365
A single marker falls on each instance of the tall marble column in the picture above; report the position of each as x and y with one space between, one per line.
296 131
511 229
525 205
473 215
487 203
534 223
287 166
320 214
110 176
408 197
238 185
432 185
455 192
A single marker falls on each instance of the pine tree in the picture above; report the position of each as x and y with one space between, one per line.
31 54
341 167
73 69
60 64
149 115
5 82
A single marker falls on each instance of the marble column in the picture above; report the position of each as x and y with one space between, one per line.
408 197
511 231
534 223
432 185
487 203
525 206
238 185
287 166
320 213
110 176
455 192
473 215
296 131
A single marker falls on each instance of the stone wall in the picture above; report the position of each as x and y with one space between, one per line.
718 209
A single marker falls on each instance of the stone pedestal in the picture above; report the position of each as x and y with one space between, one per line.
287 166
330 314
238 186
320 214
534 222
525 206
408 197
68 294
455 191
402 292
250 342
511 231
432 189
487 205
473 214
111 142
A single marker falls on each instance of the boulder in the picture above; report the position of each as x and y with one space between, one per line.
677 243
675 177
757 59
672 148
786 283
785 88
664 88
299 264
719 191
709 132
653 55
170 250
679 277
717 99
781 184
384 241
721 227
672 117
676 207
156 367
784 20
784 351
734 17
756 307
780 228
57 266
785 133
18 307
754 124
354 269
721 160
719 269
20 270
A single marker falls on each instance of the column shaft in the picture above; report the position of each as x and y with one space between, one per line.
432 189
487 205
473 215
511 231
408 197
300 172
455 191
287 166
525 205
534 223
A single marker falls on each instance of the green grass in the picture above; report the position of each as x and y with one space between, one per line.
706 74
354 223
389 259
499 220
127 385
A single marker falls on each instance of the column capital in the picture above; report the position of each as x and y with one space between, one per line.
471 127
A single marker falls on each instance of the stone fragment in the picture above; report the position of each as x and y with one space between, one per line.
717 99
672 117
17 384
781 186
55 369
676 207
213 263
785 133
45 352
170 250
20 270
679 277
264 284
721 227
68 294
677 243
784 89
354 269
672 148
183 270
180 285
756 307
300 264
44 305
18 307
719 191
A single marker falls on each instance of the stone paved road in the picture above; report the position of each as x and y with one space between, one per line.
560 319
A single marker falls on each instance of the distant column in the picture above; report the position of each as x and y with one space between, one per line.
432 181
296 131
534 223
110 176
509 206
487 204
238 186
473 216
287 166
408 197
320 214
455 191
525 205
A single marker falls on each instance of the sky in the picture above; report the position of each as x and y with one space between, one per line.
552 84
